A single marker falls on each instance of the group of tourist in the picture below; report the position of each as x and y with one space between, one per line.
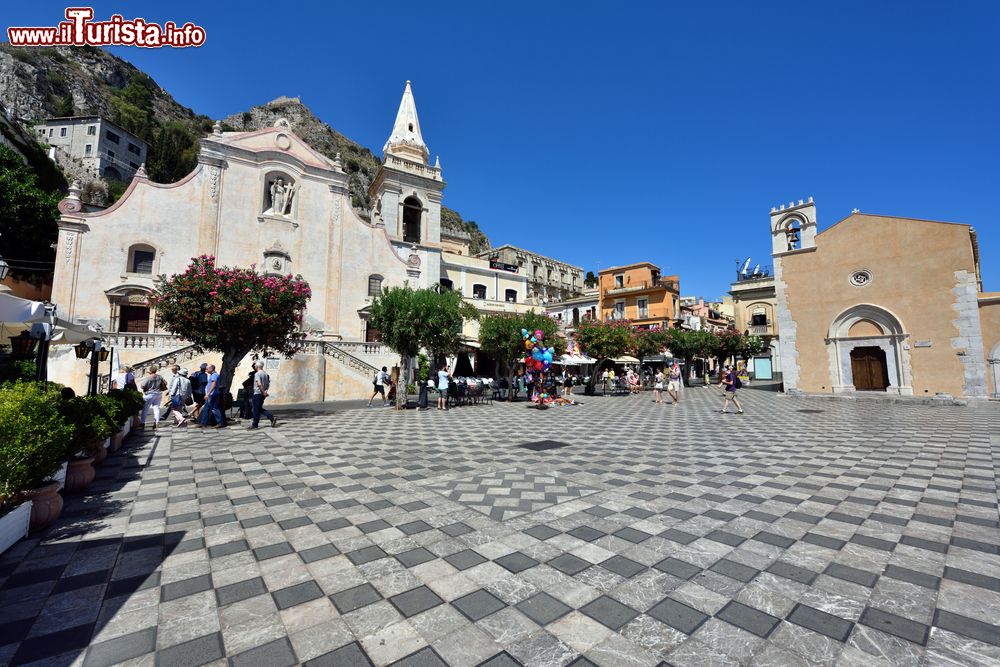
201 391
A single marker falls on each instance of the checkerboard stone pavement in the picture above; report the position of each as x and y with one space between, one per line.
860 534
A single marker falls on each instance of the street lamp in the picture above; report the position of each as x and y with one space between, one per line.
82 350
22 344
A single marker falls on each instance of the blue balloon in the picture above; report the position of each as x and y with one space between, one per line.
524 332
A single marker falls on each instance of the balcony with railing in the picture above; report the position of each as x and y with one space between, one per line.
644 285
761 329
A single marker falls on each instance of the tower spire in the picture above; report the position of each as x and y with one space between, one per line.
406 140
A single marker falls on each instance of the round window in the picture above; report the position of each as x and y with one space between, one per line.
861 277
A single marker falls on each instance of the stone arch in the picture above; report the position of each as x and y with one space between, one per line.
413 212
868 326
142 258
130 309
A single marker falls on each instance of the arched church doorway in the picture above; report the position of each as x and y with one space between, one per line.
869 369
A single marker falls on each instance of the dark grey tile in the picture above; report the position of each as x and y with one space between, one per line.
609 612
253 522
632 535
374 526
774 540
793 572
228 549
568 563
218 519
345 656
586 533
678 615
273 551
321 552
355 598
295 595
972 578
679 536
639 512
851 574
415 557
821 622
241 590
463 560
414 601
455 529
296 522
516 562
193 653
502 659
425 657
333 524
873 542
415 527
912 576
677 513
541 532
749 619
895 625
122 648
179 589
920 543
967 627
478 604
824 541
677 568
734 570
366 555
623 566
542 608
278 653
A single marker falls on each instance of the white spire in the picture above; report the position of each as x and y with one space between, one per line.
406 140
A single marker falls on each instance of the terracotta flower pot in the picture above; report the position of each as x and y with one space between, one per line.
135 422
46 505
79 474
100 453
116 441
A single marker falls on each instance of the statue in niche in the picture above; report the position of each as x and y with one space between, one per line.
281 197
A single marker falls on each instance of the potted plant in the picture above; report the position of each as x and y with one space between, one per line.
126 403
33 436
89 428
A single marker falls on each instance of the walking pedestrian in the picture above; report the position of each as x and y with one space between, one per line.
199 382
211 407
179 392
731 383
658 387
443 377
152 387
261 385
379 382
674 383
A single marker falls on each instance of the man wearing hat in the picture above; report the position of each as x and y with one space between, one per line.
199 383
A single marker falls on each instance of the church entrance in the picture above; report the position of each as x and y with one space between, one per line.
869 369
133 319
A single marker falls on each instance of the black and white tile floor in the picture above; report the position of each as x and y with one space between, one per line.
860 534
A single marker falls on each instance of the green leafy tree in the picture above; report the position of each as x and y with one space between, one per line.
751 345
408 319
232 310
689 345
604 340
28 217
500 337
727 344
647 342
590 280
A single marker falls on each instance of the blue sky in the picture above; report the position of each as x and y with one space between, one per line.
605 133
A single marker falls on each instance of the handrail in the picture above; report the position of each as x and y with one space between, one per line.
334 350
183 353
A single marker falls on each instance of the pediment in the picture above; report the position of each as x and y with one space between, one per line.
276 139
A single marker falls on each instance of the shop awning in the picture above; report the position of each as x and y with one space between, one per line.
626 360
17 314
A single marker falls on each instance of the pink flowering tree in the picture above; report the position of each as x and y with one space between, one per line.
232 310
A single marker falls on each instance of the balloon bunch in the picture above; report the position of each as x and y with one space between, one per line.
537 358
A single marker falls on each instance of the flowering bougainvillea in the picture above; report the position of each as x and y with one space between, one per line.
232 310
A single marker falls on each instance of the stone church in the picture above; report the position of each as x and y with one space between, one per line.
883 304
264 198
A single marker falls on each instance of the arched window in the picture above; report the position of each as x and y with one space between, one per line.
374 284
478 291
412 212
447 284
510 296
141 258
793 234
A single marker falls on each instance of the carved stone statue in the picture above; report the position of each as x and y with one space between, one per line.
278 196
290 191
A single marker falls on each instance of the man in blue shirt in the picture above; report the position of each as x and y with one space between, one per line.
212 400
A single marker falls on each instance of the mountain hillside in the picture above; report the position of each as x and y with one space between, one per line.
65 81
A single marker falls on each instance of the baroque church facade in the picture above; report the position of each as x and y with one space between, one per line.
261 198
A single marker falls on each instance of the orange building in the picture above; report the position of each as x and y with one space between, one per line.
638 292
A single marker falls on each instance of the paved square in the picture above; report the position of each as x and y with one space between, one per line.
807 531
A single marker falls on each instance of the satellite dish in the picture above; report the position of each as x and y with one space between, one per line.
756 270
745 265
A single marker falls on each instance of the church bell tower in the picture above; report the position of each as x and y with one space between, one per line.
407 191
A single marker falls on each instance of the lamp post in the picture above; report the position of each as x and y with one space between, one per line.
93 349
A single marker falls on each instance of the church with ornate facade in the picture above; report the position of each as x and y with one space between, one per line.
262 198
